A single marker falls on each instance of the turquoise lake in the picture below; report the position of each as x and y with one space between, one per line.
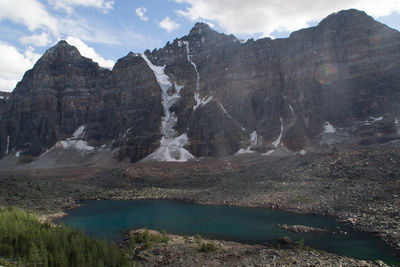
107 219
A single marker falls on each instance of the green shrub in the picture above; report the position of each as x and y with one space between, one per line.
198 239
209 247
300 245
165 238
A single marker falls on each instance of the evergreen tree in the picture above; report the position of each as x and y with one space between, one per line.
33 258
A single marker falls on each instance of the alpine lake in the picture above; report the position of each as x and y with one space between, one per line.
108 219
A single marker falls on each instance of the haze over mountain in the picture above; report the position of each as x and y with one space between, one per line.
209 94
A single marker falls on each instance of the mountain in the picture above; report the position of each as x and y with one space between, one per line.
210 94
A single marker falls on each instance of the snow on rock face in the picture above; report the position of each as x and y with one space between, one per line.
397 124
201 101
171 146
254 141
75 141
171 149
372 120
8 145
244 151
291 109
302 152
268 153
278 140
79 132
76 144
328 128
197 98
224 110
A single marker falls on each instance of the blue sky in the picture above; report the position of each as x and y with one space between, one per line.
106 30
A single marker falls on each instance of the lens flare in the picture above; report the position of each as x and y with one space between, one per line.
326 73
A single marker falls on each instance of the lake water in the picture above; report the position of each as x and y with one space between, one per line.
107 219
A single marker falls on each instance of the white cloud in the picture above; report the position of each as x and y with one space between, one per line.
34 15
36 39
89 52
255 16
7 85
68 5
31 13
140 11
81 29
13 65
168 24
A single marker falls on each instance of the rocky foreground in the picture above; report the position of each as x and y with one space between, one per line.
195 251
360 187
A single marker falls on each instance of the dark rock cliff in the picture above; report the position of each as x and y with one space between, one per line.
336 81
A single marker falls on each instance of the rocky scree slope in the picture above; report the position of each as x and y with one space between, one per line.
210 94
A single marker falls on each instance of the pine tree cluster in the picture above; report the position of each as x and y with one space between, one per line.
28 242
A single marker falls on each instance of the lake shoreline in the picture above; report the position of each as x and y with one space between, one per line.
189 251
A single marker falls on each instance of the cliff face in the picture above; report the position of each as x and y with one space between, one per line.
65 91
208 94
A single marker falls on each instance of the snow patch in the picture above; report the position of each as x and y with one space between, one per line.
396 123
1 97
268 152
302 152
8 145
291 109
278 140
224 110
200 101
76 144
244 151
371 120
171 146
197 98
375 119
126 133
18 154
178 88
79 132
171 149
328 128
254 141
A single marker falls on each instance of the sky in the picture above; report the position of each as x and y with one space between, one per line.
105 30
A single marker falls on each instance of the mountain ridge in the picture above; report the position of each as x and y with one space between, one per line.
319 87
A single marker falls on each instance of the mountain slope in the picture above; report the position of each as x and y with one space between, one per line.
208 94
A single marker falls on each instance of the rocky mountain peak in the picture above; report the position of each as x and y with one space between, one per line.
62 51
200 28
347 18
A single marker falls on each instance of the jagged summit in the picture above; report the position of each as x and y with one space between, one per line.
200 28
